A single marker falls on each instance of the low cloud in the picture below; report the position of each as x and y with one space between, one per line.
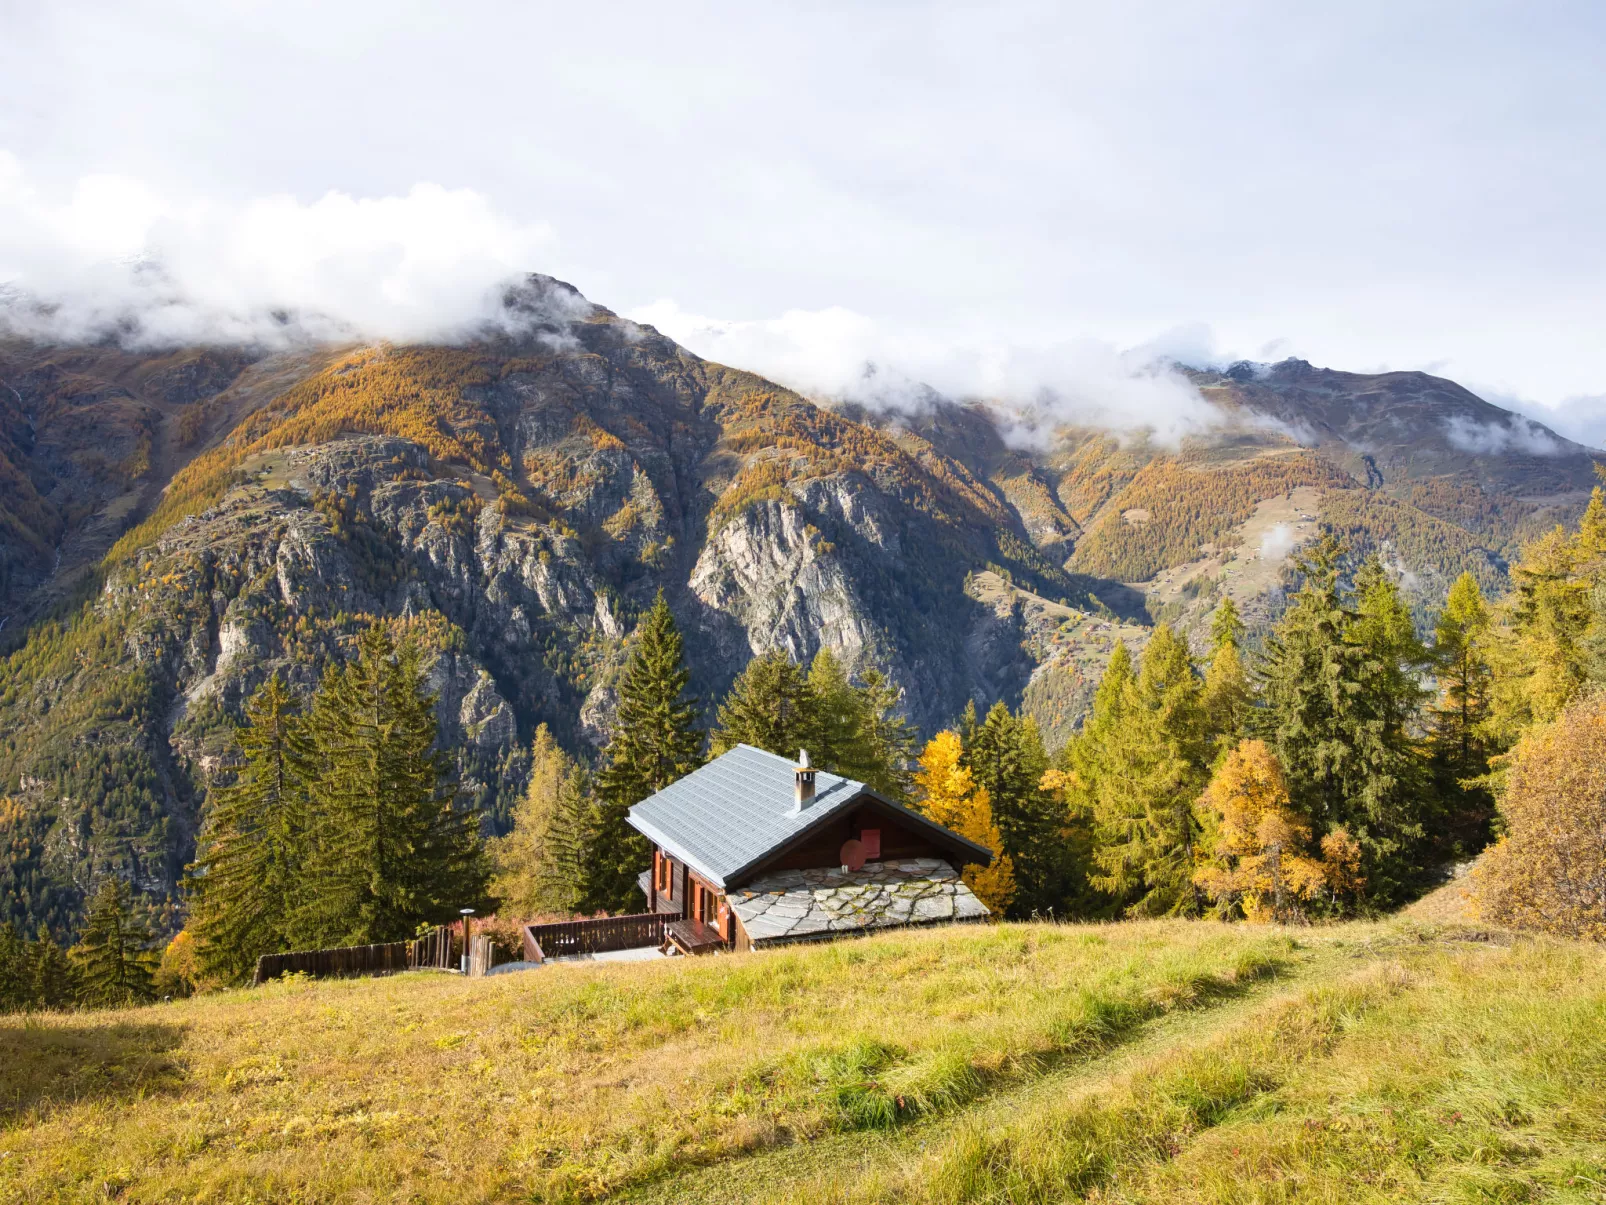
838 354
115 258
1278 542
1516 434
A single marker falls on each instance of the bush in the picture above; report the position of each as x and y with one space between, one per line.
1549 870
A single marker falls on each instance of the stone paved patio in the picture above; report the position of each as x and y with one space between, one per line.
792 905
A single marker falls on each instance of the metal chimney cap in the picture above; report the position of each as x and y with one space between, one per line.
802 759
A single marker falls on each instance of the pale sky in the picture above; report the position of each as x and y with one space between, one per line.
970 193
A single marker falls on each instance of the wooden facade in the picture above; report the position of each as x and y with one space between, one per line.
881 831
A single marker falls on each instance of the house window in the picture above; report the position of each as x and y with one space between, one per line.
705 906
665 875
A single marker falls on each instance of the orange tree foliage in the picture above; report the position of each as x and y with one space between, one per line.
1189 506
950 796
418 393
1259 849
1549 870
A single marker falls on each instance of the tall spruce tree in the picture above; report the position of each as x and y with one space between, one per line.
113 958
388 848
1339 692
246 879
655 741
1005 757
541 866
769 706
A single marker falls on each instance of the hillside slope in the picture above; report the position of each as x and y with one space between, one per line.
1148 1061
176 526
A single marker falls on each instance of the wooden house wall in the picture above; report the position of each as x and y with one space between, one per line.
824 848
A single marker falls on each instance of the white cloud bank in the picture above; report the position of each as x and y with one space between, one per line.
115 258
839 354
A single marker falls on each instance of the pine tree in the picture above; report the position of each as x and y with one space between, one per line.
388 849
769 706
1227 696
887 739
1145 772
836 742
655 737
113 961
14 968
52 978
1005 755
950 796
1340 694
1461 750
655 741
248 864
541 866
1226 626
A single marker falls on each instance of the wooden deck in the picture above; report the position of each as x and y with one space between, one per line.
693 937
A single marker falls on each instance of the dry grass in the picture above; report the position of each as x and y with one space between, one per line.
580 1081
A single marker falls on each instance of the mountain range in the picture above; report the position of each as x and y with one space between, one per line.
177 524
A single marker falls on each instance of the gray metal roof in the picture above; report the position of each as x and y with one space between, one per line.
729 816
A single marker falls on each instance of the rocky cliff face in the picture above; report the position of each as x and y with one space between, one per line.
195 521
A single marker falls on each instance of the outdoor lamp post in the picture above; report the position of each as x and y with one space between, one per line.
467 912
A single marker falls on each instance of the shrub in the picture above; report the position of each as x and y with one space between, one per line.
1549 870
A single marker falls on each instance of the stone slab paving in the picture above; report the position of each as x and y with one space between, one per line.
793 904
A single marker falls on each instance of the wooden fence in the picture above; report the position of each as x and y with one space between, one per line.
596 935
434 949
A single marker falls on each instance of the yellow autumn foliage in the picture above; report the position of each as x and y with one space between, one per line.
1549 870
1259 857
950 796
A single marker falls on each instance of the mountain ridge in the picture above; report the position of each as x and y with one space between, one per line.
189 521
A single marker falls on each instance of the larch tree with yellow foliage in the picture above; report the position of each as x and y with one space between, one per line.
1259 844
949 795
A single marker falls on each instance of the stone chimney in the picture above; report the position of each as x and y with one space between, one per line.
805 780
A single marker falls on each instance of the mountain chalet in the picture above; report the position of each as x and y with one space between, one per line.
752 851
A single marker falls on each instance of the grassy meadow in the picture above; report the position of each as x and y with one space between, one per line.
1154 1061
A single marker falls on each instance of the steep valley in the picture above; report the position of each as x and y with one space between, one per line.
175 526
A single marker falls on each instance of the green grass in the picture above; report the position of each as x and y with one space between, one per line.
1145 1061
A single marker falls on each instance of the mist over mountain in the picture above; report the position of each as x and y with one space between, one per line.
177 522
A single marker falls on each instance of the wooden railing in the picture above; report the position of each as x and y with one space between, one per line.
595 935
433 950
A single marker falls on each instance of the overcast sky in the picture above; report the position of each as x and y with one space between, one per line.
980 191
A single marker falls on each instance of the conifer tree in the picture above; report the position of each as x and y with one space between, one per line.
53 981
655 737
541 866
887 739
1226 626
248 864
114 964
1150 766
1461 749
949 795
14 977
388 849
1259 857
1227 696
836 742
1006 758
1339 693
655 741
768 706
